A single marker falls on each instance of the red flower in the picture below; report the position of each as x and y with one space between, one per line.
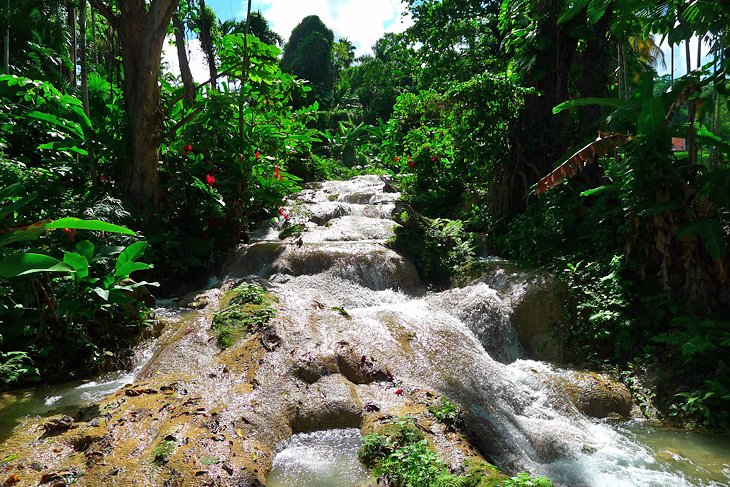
281 211
411 162
188 148
286 216
434 158
276 172
209 180
396 159
281 177
399 392
70 233
257 154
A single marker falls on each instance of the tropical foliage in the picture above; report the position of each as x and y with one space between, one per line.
539 131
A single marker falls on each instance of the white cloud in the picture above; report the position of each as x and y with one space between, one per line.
196 59
361 21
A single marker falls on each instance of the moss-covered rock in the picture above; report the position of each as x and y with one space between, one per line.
246 309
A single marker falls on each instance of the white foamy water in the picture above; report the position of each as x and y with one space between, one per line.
319 459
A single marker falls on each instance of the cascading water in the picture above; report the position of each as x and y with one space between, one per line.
322 458
458 342
346 301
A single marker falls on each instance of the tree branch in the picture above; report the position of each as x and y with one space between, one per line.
106 11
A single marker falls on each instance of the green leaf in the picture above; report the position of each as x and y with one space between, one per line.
62 146
10 191
96 225
27 263
651 118
102 293
128 267
15 206
606 102
78 262
67 125
599 190
86 249
130 254
107 251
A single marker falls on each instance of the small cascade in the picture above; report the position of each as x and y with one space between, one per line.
356 335
322 458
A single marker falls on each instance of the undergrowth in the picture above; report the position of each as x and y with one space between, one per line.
399 453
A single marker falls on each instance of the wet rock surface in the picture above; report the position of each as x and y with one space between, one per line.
358 340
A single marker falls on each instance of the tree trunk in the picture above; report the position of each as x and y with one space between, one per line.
185 74
82 60
6 42
206 41
142 33
691 111
72 43
244 77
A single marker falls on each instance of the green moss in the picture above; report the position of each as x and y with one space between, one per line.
162 453
291 231
398 453
247 310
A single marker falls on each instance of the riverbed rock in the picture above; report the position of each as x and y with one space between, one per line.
598 395
538 303
356 342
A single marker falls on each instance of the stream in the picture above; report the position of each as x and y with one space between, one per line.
290 414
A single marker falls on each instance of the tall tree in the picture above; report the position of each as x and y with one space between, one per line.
142 28
308 55
207 17
72 42
6 40
182 58
83 60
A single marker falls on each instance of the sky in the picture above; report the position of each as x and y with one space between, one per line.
361 21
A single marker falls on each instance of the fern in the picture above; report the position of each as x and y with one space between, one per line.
450 480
